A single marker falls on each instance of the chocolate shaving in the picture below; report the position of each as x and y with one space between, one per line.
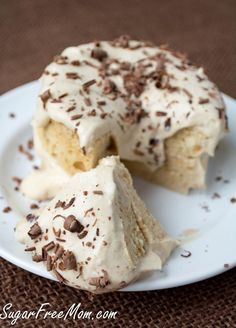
87 211
31 217
37 258
88 84
25 152
83 234
100 282
45 96
69 261
30 249
101 103
59 276
58 253
109 87
76 117
17 180
103 115
135 116
203 101
161 114
70 109
87 102
57 233
35 231
167 123
153 142
98 54
72 225
49 263
98 192
60 204
61 60
233 200
221 112
34 206
72 76
65 205
30 144
49 246
187 93
71 202
61 240
75 63
134 83
7 209
92 113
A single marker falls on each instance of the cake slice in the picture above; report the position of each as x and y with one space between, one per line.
97 234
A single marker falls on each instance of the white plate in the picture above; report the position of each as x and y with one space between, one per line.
214 220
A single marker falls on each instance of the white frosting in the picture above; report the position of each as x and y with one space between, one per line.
172 94
123 240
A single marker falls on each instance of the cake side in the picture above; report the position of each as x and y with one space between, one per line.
184 167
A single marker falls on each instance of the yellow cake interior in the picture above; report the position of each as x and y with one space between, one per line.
184 167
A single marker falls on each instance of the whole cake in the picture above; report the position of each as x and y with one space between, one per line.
150 105
97 234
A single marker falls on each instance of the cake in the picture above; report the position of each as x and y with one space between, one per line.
147 104
97 234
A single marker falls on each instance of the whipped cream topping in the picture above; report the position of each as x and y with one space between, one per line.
97 234
137 93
